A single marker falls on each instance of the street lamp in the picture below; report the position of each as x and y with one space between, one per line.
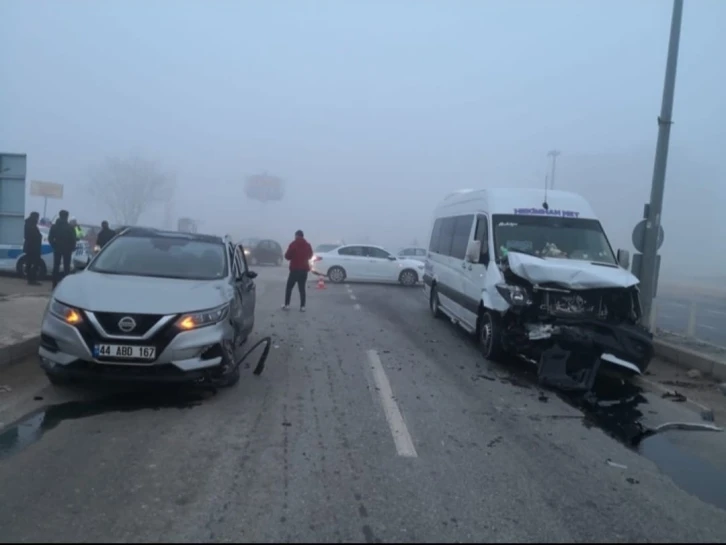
553 153
648 270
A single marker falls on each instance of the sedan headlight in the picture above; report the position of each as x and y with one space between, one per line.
514 295
66 313
202 318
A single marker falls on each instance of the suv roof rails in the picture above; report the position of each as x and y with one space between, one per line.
151 231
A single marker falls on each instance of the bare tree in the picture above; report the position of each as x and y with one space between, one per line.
130 186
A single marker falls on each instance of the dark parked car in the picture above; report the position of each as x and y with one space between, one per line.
265 252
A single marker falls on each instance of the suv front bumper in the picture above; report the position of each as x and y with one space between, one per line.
182 356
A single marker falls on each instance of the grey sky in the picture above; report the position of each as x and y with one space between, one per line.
371 110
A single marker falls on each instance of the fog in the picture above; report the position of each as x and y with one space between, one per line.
371 110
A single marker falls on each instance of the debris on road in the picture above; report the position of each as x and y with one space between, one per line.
674 396
684 426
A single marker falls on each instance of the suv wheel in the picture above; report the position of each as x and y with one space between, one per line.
57 380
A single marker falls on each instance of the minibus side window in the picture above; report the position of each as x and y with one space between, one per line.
482 235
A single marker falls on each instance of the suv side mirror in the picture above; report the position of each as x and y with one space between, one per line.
473 251
80 264
392 257
624 259
251 274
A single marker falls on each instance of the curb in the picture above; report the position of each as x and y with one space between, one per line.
19 351
690 359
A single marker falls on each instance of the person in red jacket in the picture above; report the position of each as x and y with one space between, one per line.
299 254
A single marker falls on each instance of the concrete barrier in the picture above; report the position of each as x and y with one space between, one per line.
20 317
19 351
687 358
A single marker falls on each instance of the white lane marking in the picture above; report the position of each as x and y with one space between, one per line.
707 326
353 297
716 312
660 315
401 437
356 306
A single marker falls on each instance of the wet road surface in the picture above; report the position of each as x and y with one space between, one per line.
372 422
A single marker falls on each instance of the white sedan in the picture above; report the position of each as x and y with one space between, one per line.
414 252
359 262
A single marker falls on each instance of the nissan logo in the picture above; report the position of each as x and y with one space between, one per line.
127 324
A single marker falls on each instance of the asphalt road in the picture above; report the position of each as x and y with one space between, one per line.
373 422
673 314
12 285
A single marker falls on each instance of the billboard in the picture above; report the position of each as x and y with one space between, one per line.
264 188
48 190
187 225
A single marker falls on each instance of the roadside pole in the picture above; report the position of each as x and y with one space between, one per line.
554 153
650 263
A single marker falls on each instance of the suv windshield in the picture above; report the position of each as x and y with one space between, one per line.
163 257
548 236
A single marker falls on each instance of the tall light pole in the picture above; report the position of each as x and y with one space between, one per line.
648 270
554 153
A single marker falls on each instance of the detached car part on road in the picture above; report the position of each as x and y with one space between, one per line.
540 282
152 306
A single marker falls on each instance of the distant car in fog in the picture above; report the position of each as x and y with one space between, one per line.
414 252
265 251
363 262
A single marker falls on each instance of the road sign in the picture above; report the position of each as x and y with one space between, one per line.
48 190
639 236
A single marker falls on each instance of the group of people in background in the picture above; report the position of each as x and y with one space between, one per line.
63 237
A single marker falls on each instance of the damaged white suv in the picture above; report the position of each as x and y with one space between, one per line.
536 280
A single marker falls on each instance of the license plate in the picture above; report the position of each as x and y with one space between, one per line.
124 351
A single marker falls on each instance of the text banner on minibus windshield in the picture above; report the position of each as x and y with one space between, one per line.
543 212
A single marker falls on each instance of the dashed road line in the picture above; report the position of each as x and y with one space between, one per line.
401 437
356 306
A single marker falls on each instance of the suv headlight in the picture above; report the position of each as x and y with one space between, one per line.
517 296
66 313
202 318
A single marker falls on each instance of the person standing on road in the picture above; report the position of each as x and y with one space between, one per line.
62 238
76 229
104 235
299 254
32 243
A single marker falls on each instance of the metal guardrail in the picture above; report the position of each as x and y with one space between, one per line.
692 328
